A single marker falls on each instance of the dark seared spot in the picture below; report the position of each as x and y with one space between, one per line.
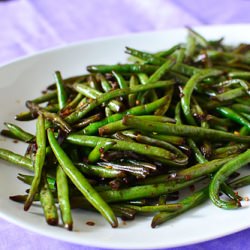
90 223
188 177
101 150
52 221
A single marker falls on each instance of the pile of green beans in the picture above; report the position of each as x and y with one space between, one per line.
131 139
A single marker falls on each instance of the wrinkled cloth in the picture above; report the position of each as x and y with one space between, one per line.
28 26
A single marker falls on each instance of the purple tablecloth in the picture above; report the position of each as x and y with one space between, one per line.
28 26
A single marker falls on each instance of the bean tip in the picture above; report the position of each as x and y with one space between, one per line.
26 206
91 68
68 226
153 224
114 224
16 198
52 221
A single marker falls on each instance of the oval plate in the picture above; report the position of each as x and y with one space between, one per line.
24 79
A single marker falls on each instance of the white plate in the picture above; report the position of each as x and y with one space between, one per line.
25 78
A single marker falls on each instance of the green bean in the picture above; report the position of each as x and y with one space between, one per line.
27 115
190 47
82 103
165 67
185 69
61 178
244 131
188 89
74 102
163 109
19 133
246 116
70 80
229 113
113 127
22 198
108 112
81 182
9 134
39 160
143 78
61 93
45 97
157 208
214 120
168 52
176 140
156 76
132 97
145 56
102 172
146 165
137 170
122 68
48 203
198 155
187 203
144 191
198 38
198 170
27 179
93 93
229 150
231 82
92 83
124 212
202 168
104 83
222 175
120 80
99 149
17 159
230 94
225 188
150 151
180 55
183 130
63 198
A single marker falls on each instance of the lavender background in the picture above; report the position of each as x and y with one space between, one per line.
28 26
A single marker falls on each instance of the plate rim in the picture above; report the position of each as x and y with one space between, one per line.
70 45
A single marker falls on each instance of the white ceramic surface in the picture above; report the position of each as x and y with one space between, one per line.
25 78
